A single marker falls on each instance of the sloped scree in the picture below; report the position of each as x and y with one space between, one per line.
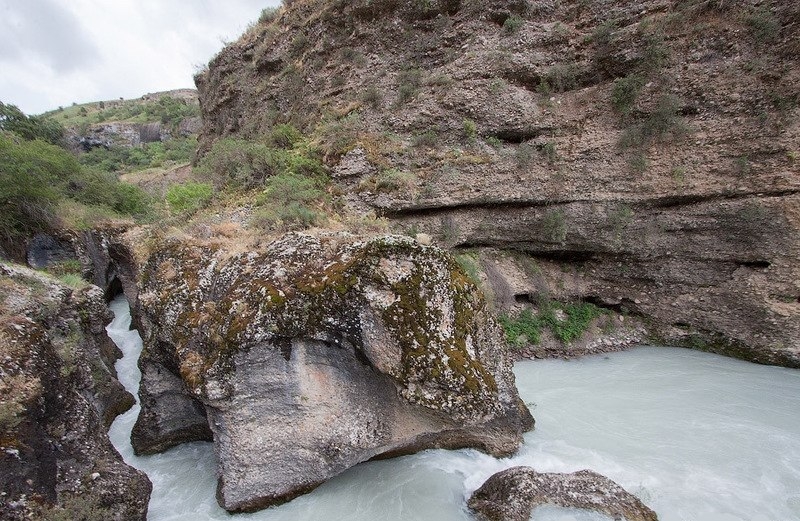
320 353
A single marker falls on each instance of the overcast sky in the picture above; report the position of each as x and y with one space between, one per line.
56 52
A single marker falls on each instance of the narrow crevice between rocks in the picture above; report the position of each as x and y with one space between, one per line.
755 264
690 199
431 208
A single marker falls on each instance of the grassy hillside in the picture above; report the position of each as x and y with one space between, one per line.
167 107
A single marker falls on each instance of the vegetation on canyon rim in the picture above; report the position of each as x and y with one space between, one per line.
42 185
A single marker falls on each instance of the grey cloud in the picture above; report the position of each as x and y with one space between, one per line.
46 29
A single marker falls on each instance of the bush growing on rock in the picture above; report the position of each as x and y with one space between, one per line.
625 91
567 322
513 23
663 122
290 201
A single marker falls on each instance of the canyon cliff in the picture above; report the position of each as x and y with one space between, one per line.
639 156
58 396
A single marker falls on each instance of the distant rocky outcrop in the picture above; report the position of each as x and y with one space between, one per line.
58 396
315 354
511 495
131 123
642 156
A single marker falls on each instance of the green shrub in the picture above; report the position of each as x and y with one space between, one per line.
578 318
241 163
604 33
284 136
73 280
625 91
638 163
148 155
528 327
544 88
298 43
131 200
494 142
170 111
742 166
426 139
470 129
393 180
31 176
409 81
549 152
655 52
188 197
554 226
65 266
288 202
661 122
336 137
291 216
469 264
513 23
12 119
525 327
497 85
268 15
440 80
524 154
561 77
763 25
372 96
351 55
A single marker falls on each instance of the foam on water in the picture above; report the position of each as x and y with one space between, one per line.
696 436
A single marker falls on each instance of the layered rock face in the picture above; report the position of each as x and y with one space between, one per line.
642 156
58 396
511 495
317 354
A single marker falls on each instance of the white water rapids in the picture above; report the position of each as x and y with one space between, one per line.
697 437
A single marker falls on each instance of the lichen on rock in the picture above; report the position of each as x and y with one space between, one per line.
321 352
512 494
58 396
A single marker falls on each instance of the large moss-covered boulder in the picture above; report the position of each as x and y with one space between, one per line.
319 353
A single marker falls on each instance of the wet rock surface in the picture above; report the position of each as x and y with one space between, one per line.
319 353
511 495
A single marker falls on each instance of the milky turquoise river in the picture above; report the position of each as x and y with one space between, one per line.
697 437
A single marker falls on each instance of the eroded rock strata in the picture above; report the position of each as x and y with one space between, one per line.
318 353
58 396
639 155
511 495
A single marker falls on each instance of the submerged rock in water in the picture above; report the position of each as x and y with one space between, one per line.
511 495
321 353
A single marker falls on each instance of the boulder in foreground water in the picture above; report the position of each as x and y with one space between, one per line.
511 495
319 353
